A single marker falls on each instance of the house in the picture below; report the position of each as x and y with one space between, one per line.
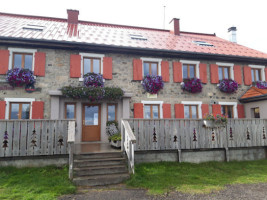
61 51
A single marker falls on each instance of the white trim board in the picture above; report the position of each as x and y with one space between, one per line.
19 100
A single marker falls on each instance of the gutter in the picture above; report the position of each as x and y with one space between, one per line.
253 99
133 50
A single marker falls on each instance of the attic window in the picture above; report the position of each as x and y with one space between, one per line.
203 43
33 27
137 37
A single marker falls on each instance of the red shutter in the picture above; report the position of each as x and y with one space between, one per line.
238 74
39 64
205 110
203 72
265 73
107 68
37 110
240 111
179 111
166 111
216 109
75 66
4 58
214 73
177 72
138 110
165 73
247 75
137 70
2 109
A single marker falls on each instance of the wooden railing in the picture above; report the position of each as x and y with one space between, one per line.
128 141
34 137
164 134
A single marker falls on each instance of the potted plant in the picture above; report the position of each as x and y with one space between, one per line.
18 77
115 140
211 121
93 80
192 85
152 84
113 133
228 86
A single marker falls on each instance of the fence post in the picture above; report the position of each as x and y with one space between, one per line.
71 140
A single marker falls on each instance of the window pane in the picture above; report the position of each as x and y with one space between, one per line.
257 112
220 73
146 69
154 69
155 112
192 71
111 112
14 111
17 60
96 66
252 75
186 112
223 110
70 111
226 74
230 113
147 112
185 71
91 115
86 65
28 62
194 112
25 112
257 75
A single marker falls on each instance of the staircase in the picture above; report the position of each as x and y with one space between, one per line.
95 169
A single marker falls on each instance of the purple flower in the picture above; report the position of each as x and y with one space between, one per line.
152 84
228 86
19 77
261 84
192 85
93 80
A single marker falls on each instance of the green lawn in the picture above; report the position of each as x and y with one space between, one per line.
34 183
162 177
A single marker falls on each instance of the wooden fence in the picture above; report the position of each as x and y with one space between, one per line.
33 137
167 134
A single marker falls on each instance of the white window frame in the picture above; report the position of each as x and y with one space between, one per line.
20 50
93 55
158 60
160 103
193 62
234 104
18 100
197 103
231 65
262 68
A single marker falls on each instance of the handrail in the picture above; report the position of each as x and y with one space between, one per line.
71 140
128 141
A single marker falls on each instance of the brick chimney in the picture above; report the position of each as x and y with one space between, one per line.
73 16
232 34
176 26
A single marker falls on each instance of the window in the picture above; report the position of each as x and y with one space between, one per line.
91 65
112 112
19 111
255 74
70 110
152 111
150 68
21 58
137 37
255 112
224 72
227 111
203 43
189 71
190 112
33 27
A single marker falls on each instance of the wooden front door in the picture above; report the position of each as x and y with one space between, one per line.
91 122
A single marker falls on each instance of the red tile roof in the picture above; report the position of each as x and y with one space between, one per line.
11 26
254 92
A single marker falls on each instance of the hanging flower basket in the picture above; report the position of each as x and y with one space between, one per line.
93 80
18 77
228 86
192 85
152 84
261 84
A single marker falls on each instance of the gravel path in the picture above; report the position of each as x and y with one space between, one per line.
120 192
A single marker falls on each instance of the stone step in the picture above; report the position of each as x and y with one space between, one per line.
99 162
100 179
98 155
112 169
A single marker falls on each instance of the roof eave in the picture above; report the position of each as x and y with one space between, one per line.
253 99
123 49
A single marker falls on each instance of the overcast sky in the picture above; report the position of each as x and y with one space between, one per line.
204 16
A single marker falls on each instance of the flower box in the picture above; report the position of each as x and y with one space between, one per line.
228 86
192 85
152 84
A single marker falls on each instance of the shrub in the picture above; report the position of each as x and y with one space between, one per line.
18 77
152 84
228 86
192 85
93 80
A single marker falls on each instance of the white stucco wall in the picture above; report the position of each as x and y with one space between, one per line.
261 104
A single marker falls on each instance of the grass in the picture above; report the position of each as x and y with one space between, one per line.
34 183
163 177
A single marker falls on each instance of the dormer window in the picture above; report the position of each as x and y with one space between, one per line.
203 43
137 37
33 27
